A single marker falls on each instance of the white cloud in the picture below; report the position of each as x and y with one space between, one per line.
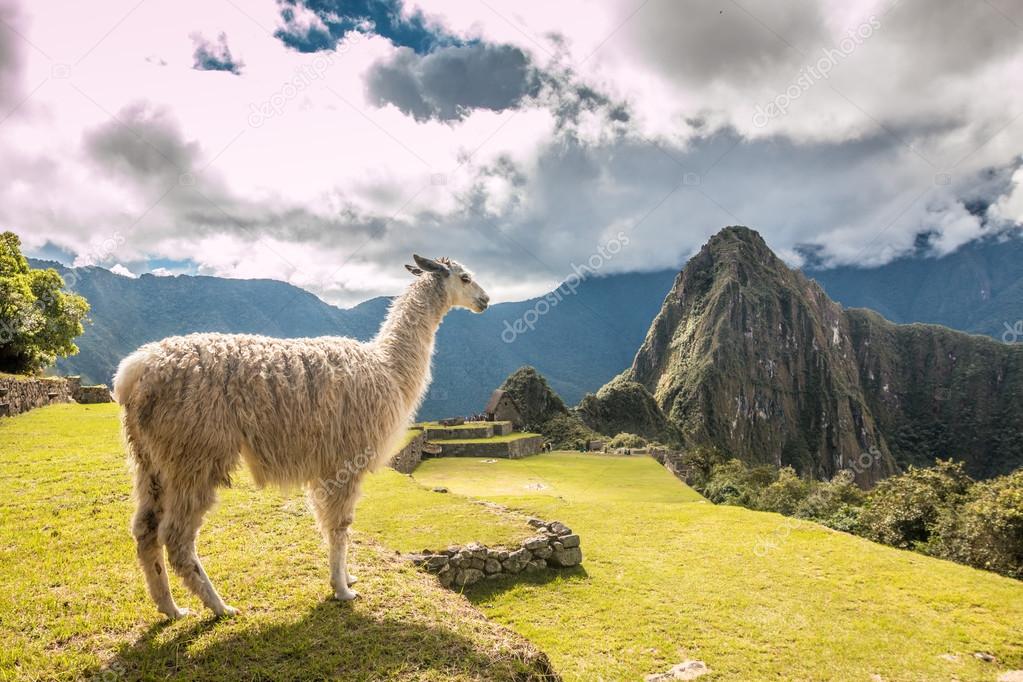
288 170
119 269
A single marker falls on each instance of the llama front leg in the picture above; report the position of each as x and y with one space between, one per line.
334 508
340 579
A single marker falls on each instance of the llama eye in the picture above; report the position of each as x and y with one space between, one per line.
466 278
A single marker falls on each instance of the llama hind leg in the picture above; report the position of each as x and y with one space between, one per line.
149 549
179 529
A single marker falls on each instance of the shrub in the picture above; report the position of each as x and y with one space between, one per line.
902 511
565 431
835 503
987 530
733 482
627 440
784 494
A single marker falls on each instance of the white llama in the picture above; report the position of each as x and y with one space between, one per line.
297 411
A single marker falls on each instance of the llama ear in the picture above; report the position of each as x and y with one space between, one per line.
414 270
430 265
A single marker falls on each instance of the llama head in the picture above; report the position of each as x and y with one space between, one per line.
460 287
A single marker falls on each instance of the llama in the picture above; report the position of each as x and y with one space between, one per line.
316 412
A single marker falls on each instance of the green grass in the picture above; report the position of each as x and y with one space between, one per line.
73 603
518 435
667 576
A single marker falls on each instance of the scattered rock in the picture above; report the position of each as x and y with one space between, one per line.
459 566
468 576
535 543
536 565
570 540
489 461
984 656
558 528
951 658
436 562
1011 676
570 556
521 554
440 489
687 670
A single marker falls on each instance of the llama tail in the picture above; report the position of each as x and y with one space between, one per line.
128 373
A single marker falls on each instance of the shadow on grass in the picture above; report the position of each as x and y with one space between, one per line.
482 591
332 641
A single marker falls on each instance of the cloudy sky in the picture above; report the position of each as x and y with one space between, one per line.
323 141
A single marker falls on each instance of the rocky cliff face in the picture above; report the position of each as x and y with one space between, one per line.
752 357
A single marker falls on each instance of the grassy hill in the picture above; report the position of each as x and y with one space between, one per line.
73 604
665 576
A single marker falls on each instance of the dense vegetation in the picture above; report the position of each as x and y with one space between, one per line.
543 411
38 320
937 510
623 405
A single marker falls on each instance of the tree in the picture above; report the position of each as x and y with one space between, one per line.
903 511
38 319
784 494
987 531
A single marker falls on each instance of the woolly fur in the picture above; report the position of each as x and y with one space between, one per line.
316 412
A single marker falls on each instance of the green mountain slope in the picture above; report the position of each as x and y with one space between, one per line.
579 343
978 288
752 357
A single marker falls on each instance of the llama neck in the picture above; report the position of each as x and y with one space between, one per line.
406 337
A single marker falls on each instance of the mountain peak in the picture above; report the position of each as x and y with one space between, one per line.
738 242
751 357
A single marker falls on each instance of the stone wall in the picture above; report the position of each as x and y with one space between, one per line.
553 546
22 395
503 428
409 457
510 449
484 430
90 395
18 395
672 461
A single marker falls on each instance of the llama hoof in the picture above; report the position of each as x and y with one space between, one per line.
345 594
352 579
227 612
176 613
